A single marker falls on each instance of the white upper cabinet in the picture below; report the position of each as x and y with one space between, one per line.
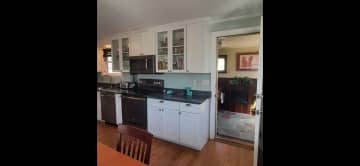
171 50
142 43
197 52
162 51
136 44
115 55
124 53
148 42
179 48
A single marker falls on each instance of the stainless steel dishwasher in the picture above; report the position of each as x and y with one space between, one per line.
108 107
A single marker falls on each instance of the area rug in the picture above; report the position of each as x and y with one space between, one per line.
237 125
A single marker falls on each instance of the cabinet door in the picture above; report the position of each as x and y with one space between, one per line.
196 61
136 44
125 51
115 55
148 45
171 124
155 121
190 129
162 51
178 50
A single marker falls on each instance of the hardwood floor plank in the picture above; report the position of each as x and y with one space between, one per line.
163 153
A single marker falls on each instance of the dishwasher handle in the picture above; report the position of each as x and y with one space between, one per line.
134 98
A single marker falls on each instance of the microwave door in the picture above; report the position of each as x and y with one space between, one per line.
150 65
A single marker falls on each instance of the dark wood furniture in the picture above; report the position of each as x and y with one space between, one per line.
232 93
107 156
134 142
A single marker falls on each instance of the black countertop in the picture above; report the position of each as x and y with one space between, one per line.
198 97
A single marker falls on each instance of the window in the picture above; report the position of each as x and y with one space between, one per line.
221 64
109 64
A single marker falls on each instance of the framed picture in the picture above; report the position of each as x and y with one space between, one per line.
247 61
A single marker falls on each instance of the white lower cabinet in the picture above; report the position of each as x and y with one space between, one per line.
98 106
155 120
171 124
182 123
190 129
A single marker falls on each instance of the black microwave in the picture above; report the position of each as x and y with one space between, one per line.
144 64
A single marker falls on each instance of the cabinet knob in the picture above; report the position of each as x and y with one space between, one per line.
179 113
161 101
188 105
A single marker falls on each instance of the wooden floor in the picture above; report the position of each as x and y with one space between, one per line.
215 153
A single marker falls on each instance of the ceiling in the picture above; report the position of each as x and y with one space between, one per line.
240 41
116 16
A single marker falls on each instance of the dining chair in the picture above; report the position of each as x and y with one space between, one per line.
134 142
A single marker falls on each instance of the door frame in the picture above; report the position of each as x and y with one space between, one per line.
213 62
259 98
214 76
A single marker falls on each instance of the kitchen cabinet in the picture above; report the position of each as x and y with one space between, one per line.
142 43
190 128
118 109
155 120
115 55
181 123
171 50
197 52
171 124
148 43
98 106
136 44
125 54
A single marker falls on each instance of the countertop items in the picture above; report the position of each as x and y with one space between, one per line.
197 97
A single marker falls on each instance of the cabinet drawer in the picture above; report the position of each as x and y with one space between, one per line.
164 103
191 108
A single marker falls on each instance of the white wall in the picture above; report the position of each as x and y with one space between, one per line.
231 62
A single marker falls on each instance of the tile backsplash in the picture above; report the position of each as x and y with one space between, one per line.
177 80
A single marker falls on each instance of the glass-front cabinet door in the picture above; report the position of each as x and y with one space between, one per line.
162 52
178 50
125 54
171 50
115 56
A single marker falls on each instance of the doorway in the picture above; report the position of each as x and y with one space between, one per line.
237 64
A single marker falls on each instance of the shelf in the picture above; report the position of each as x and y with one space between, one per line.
178 54
163 55
162 47
179 46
